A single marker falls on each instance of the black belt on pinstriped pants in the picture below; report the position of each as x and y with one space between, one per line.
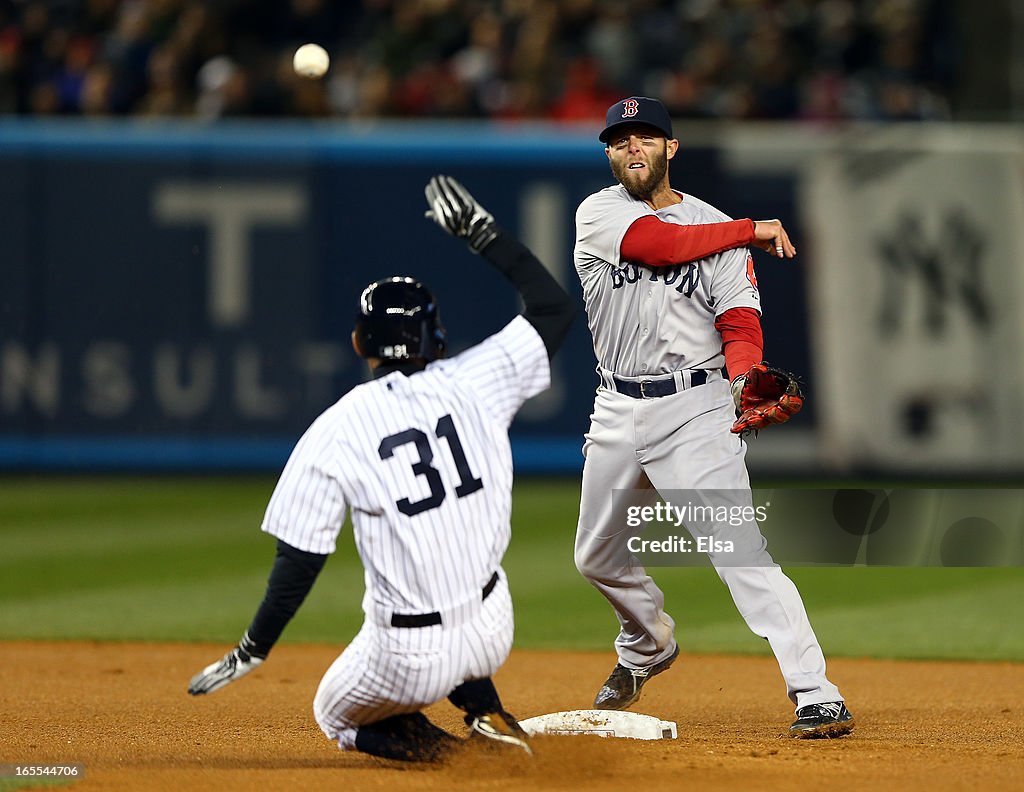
430 619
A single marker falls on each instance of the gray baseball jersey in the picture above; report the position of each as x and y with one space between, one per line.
425 464
649 321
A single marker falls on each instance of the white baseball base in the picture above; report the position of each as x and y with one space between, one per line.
604 723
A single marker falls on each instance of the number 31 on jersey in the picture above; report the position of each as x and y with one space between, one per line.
445 430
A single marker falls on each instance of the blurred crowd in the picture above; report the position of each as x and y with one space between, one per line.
558 59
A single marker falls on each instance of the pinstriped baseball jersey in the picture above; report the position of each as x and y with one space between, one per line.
425 464
649 321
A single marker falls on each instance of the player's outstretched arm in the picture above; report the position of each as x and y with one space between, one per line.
547 306
291 579
656 243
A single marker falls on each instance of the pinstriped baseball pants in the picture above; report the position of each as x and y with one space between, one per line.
389 671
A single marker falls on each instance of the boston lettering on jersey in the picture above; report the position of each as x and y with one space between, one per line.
685 277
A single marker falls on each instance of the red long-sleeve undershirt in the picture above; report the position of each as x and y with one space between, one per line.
742 340
655 243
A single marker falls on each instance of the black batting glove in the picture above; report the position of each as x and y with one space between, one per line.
457 212
235 664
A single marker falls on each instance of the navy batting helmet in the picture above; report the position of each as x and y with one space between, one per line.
399 319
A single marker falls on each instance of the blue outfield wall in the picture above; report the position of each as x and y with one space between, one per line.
181 297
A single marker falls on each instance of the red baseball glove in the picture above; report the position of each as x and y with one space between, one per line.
764 396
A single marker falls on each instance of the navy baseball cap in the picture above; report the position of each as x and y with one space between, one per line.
636 110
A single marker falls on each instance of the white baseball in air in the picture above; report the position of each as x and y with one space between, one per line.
311 61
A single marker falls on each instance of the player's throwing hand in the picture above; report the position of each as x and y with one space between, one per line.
771 237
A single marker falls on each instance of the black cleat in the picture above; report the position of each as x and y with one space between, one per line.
500 727
622 688
822 720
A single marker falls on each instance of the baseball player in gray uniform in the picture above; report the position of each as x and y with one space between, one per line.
421 456
671 300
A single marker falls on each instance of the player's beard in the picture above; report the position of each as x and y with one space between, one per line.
642 184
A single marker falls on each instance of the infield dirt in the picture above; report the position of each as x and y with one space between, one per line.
122 711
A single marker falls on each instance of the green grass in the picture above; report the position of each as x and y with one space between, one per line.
183 559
